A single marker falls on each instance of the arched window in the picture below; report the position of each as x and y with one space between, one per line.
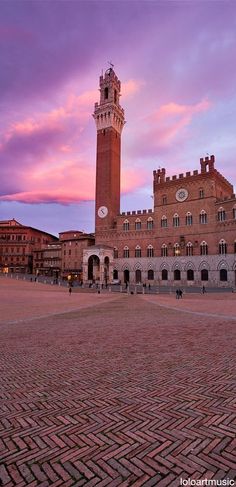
201 193
189 219
221 215
150 275
223 275
138 224
106 93
176 220
203 217
176 250
164 275
222 247
126 225
203 248
138 276
150 251
190 275
189 249
137 251
163 221
126 252
164 250
115 253
177 275
204 275
150 223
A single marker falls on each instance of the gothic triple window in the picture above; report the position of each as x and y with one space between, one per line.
138 224
176 250
203 248
164 250
126 252
163 222
126 225
203 217
222 247
176 220
189 249
150 223
150 251
221 215
138 251
189 218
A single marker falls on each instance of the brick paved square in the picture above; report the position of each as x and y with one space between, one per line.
115 390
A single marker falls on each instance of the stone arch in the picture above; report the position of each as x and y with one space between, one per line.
222 265
204 265
164 265
176 265
125 267
137 266
189 265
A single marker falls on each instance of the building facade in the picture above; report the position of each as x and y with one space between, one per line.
188 238
17 245
73 243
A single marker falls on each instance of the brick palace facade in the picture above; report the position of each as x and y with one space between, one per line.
188 238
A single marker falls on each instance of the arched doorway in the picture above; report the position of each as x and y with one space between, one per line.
93 268
190 275
223 275
177 275
126 275
138 276
164 275
150 275
115 274
204 275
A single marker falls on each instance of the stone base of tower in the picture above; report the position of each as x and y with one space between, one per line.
98 265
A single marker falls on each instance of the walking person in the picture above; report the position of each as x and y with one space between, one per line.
203 289
70 290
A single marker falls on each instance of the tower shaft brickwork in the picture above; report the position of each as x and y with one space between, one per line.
109 119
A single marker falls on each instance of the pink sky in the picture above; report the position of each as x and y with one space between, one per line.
176 63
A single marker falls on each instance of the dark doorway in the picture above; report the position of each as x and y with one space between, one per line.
93 268
190 275
204 275
223 275
115 274
164 275
138 276
150 275
126 275
177 275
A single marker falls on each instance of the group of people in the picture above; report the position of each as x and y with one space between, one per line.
179 293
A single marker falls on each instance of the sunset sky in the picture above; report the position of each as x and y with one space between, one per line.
177 64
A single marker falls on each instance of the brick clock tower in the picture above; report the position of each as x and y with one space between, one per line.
109 119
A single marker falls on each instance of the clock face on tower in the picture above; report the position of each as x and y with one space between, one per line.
102 211
181 194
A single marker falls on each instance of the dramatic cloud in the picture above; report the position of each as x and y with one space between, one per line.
176 64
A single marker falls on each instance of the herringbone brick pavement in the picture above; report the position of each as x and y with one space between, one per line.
121 393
